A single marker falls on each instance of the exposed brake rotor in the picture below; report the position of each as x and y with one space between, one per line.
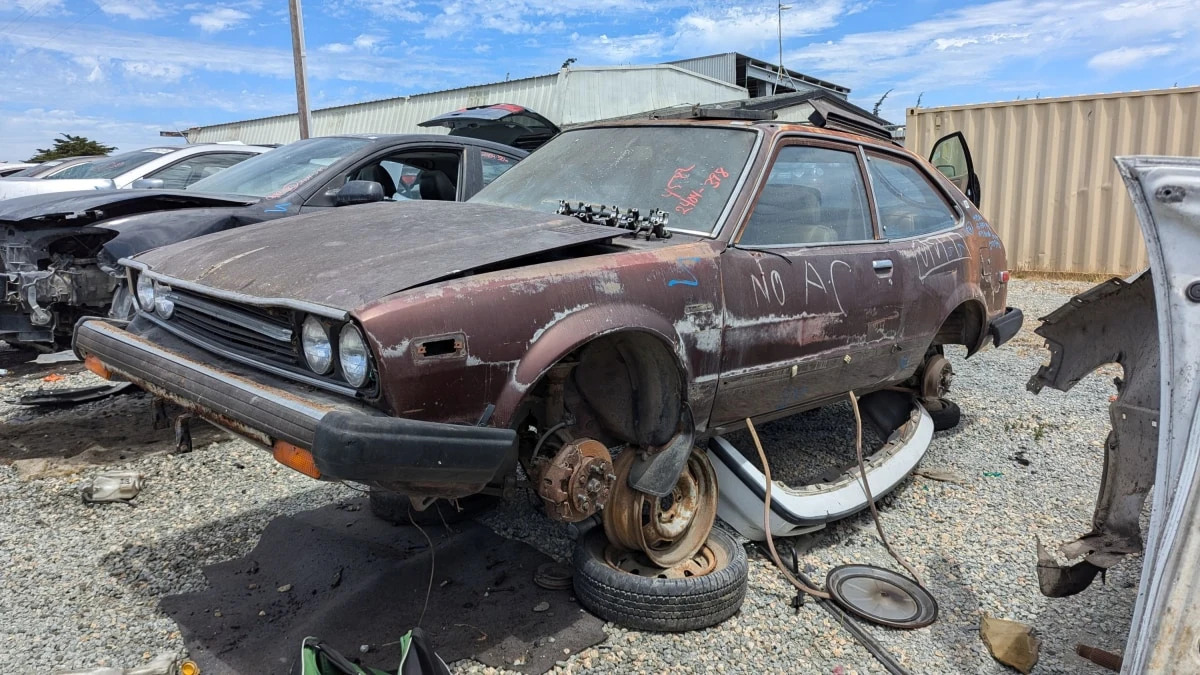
938 375
577 481
668 530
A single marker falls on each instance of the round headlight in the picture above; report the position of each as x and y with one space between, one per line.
145 293
353 355
318 350
163 306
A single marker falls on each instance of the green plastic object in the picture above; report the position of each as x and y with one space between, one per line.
416 658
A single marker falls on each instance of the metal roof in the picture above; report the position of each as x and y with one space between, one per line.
570 96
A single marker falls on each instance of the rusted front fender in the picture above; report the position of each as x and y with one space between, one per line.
572 331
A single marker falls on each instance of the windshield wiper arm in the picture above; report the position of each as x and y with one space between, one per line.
762 250
653 225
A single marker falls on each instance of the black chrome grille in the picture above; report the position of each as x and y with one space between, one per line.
252 331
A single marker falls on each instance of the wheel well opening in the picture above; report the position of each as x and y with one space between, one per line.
620 388
964 326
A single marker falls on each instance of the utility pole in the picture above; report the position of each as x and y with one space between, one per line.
298 59
779 73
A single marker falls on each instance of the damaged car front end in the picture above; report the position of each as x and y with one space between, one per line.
1149 325
55 262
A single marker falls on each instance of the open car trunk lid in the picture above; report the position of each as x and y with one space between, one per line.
501 123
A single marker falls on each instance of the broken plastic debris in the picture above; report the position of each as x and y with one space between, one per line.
1010 642
163 664
113 486
57 357
53 377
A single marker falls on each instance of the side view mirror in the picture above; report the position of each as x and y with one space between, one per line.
358 192
148 184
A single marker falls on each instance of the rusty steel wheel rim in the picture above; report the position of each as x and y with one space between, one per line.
668 530
701 563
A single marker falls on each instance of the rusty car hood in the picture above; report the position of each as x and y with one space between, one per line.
347 257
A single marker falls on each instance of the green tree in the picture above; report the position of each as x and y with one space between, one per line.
71 146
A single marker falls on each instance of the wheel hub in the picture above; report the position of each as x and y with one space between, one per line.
938 376
577 482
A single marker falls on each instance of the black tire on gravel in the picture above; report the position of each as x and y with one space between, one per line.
395 508
655 604
944 412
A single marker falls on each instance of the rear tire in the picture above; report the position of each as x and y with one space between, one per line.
661 604
396 508
944 412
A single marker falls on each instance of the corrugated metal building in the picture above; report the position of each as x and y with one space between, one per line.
1048 182
571 96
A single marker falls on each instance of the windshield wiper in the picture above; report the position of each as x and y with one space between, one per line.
653 225
751 249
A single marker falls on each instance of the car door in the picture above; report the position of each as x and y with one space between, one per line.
928 233
952 157
813 304
412 172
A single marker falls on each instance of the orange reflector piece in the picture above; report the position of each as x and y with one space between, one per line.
189 668
296 458
93 364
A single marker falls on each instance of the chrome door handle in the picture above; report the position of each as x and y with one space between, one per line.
881 265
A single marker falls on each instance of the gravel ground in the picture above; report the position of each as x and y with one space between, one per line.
79 586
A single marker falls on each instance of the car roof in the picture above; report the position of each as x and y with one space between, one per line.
396 139
767 126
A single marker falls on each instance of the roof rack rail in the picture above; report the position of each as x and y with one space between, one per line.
697 112
828 116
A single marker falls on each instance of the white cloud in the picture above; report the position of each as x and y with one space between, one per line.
1122 58
392 10
368 42
741 27
39 7
166 72
363 43
133 9
27 130
218 19
976 45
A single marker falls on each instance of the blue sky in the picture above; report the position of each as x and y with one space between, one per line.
121 70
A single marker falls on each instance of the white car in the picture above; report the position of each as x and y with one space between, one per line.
172 167
9 168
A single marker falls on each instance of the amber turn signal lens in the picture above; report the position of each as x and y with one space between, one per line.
93 364
296 458
189 668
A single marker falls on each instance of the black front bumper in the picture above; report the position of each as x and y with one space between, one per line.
348 440
1004 327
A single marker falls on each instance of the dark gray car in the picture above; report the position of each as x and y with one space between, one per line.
58 251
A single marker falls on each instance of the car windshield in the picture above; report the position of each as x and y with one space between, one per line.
77 171
688 171
278 172
111 167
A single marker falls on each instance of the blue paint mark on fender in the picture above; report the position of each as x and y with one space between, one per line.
281 207
693 281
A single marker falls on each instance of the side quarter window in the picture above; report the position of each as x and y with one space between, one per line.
188 171
908 204
813 195
494 164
